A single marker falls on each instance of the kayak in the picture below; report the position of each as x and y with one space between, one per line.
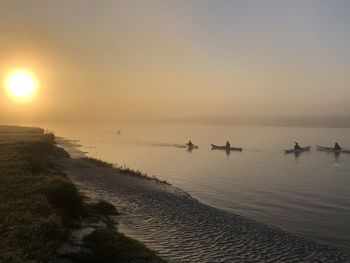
330 149
192 147
216 147
302 149
186 146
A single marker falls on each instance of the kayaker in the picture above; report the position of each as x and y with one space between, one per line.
337 146
228 145
297 146
190 144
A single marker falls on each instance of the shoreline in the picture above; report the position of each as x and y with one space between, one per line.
164 218
167 219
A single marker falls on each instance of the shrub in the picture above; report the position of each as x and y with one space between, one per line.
107 245
103 208
65 198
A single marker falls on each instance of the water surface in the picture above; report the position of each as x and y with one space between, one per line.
306 194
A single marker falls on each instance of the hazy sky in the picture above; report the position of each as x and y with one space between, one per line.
112 59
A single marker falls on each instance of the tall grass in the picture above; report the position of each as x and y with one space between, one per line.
36 202
39 205
122 169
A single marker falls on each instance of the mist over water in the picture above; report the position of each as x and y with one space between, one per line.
305 194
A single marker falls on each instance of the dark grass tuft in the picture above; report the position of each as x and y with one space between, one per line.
122 169
137 173
102 208
36 166
107 245
65 198
97 162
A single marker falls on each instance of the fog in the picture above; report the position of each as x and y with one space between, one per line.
178 60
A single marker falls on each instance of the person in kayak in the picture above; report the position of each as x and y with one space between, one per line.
337 146
228 145
190 144
297 146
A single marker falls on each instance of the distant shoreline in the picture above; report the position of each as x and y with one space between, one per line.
306 122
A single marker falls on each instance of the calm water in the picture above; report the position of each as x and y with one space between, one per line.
307 195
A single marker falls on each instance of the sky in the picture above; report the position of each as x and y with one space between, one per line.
160 59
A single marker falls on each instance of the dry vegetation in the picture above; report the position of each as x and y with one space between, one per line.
39 205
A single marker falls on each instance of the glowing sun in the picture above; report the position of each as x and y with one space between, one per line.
21 85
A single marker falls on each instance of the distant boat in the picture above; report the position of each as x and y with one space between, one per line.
330 149
186 146
192 146
225 148
302 149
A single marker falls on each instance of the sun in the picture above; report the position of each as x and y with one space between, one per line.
22 85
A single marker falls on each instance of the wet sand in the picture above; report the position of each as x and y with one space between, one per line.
182 229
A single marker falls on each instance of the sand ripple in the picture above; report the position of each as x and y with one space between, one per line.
182 229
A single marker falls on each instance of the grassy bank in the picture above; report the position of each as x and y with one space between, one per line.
122 169
39 206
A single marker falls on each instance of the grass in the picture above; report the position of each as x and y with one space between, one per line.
39 205
122 169
98 162
102 208
36 201
107 245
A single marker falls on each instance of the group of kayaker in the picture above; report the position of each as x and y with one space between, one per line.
336 146
191 145
297 147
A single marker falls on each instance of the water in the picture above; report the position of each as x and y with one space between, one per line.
307 194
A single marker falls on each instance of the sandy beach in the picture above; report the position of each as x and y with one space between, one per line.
181 229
